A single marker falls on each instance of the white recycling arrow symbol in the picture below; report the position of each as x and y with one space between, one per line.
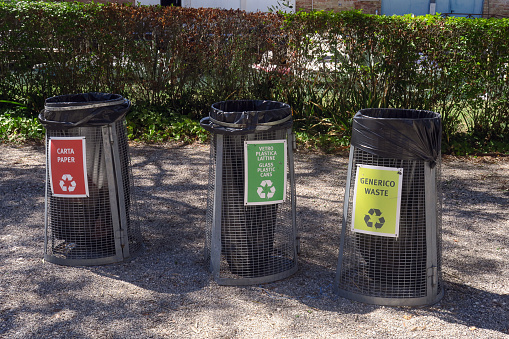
265 184
67 184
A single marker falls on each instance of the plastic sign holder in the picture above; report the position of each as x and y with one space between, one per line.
67 167
377 200
265 164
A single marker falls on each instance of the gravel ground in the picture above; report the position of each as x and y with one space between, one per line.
167 291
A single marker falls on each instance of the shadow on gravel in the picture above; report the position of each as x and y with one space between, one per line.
472 307
467 223
21 191
312 285
62 299
170 194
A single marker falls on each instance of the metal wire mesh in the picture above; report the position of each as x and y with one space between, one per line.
256 242
437 238
132 227
82 231
386 267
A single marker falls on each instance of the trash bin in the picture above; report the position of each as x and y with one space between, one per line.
88 209
390 249
251 217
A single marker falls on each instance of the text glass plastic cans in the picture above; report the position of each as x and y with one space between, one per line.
379 263
89 207
251 236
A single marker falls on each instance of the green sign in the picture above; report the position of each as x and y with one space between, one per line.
377 200
265 169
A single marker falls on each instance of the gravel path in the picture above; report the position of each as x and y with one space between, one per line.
167 291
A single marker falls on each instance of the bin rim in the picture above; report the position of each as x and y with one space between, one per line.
247 116
259 101
407 134
432 115
83 110
52 104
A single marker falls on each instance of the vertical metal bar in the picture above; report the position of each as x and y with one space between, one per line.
293 194
110 174
215 249
344 220
46 205
117 165
431 230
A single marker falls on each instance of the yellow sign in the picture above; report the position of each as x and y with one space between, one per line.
377 200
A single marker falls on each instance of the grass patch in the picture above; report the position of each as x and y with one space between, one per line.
465 144
156 124
322 142
17 125
18 129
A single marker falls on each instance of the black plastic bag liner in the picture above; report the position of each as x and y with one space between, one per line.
398 133
83 110
247 116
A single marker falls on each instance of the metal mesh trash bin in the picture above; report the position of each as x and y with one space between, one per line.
251 217
390 249
88 210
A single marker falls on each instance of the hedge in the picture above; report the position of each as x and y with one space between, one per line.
326 65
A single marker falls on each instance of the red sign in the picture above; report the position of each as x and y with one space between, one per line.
68 167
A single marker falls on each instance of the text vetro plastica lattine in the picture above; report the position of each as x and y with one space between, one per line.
266 155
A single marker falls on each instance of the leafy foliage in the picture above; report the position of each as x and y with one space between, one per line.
149 124
19 129
173 63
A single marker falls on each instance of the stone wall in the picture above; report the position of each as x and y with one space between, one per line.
367 6
499 8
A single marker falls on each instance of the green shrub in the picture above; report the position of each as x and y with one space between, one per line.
156 124
20 129
327 66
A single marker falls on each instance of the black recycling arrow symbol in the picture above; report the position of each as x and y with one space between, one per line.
380 223
376 212
367 220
